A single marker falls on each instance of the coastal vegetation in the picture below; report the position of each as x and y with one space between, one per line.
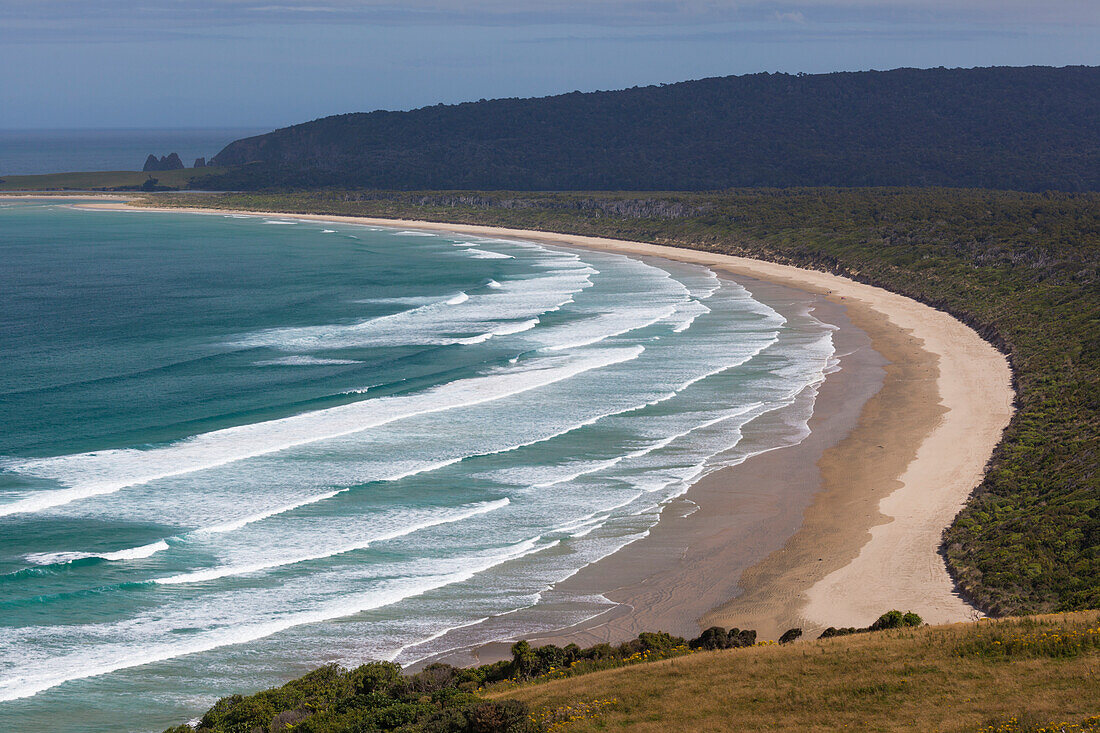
443 698
98 180
1031 128
890 620
1023 269
926 679
1015 675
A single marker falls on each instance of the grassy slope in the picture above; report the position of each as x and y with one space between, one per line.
100 180
946 678
1023 269
1011 676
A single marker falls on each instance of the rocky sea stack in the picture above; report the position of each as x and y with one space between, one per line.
166 163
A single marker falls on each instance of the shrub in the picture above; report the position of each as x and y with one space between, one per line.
895 620
790 635
286 719
718 638
507 716
888 620
713 638
1028 640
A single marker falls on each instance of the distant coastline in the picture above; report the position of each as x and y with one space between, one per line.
887 486
40 152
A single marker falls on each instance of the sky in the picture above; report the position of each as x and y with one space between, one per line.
271 63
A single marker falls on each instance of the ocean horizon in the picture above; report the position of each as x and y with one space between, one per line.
236 448
34 152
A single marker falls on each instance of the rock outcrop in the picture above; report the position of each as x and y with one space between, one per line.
170 162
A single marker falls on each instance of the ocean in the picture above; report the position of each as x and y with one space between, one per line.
233 449
29 152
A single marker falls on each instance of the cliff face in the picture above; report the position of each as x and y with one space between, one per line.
1031 128
166 163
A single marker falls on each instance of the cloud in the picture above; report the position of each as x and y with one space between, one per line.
34 18
791 16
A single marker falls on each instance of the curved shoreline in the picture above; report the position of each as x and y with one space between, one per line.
878 520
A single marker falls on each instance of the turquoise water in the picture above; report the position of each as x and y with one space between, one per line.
236 448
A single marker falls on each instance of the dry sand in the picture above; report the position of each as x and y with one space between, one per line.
845 525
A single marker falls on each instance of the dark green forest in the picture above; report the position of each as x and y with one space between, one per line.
1030 129
1023 269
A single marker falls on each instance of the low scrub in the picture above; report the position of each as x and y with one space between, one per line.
1023 725
1059 638
438 699
910 678
444 699
888 620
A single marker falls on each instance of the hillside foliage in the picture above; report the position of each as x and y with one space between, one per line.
438 699
1032 128
1011 676
937 678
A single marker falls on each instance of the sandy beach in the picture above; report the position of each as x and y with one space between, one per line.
843 526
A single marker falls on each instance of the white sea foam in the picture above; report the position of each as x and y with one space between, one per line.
401 300
236 524
597 466
484 254
392 656
439 322
415 234
603 327
278 221
506 329
224 571
303 360
686 314
149 639
328 231
106 472
133 553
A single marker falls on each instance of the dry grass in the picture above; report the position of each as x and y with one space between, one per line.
928 679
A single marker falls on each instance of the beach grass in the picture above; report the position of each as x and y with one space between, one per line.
101 180
962 677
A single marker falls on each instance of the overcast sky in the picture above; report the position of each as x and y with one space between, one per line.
269 63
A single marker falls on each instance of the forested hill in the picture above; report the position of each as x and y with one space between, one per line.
1032 128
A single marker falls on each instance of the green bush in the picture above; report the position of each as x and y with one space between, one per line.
888 620
439 698
895 620
790 635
